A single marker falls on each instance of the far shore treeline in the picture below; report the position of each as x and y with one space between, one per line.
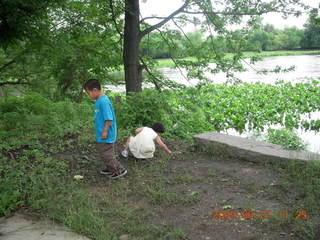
263 38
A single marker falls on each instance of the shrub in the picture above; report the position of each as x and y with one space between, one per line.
286 138
142 109
29 126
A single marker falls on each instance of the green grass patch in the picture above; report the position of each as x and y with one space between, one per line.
307 177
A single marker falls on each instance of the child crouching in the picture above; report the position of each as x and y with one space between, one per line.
142 145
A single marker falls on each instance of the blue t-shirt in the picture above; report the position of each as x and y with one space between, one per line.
103 111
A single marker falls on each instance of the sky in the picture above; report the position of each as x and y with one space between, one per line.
165 7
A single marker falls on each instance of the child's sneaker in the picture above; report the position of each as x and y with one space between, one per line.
125 153
106 172
121 174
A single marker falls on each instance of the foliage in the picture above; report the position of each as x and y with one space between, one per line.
78 40
263 38
286 138
220 107
76 43
311 37
29 127
142 109
23 19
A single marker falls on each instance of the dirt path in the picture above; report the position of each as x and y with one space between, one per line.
241 188
224 183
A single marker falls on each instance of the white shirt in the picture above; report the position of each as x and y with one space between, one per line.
142 145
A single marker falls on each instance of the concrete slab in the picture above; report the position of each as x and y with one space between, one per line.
249 150
22 227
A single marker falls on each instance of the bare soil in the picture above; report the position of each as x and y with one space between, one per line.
257 197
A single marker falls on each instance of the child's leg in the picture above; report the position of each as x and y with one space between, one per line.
107 153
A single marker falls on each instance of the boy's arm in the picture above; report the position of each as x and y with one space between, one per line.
105 129
162 144
138 130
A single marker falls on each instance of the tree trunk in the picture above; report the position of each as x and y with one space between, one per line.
131 46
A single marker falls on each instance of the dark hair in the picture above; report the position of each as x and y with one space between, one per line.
158 127
91 84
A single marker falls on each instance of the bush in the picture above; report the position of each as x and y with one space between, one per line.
286 138
29 126
143 109
178 112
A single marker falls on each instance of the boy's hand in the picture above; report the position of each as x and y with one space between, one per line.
104 135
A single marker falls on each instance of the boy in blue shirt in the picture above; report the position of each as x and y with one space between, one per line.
106 129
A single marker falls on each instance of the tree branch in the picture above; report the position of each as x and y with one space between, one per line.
8 64
114 19
173 60
143 19
153 77
164 21
184 34
12 61
236 13
12 83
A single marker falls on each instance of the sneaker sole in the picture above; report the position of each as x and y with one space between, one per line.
104 173
124 155
120 175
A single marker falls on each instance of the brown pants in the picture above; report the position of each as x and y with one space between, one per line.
107 154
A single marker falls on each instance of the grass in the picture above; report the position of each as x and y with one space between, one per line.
306 177
161 63
184 177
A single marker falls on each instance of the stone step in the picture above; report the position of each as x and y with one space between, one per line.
249 150
23 227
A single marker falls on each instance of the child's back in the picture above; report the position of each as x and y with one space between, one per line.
142 145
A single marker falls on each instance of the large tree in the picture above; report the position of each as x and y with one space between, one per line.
217 18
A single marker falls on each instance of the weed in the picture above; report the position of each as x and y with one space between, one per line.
184 177
211 172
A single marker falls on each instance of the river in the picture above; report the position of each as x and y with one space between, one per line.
305 66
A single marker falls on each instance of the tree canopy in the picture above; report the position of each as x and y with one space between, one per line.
53 46
23 19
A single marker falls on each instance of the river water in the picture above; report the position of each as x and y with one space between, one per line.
306 67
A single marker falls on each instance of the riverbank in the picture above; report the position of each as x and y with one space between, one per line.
161 63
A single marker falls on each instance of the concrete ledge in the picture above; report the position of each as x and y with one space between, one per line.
249 150
23 227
